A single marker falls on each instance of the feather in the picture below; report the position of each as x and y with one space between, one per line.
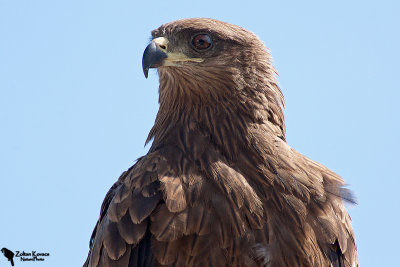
174 195
140 207
130 232
113 243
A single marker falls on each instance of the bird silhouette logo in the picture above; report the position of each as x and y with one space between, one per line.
9 255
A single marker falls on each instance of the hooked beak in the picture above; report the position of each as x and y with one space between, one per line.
154 54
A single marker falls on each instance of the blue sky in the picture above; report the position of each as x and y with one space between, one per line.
75 108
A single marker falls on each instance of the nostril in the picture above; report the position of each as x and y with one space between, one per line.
163 47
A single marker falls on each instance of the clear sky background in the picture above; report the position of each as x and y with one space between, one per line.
75 108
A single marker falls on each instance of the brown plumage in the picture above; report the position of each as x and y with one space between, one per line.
220 186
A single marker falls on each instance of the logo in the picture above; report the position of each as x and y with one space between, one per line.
24 256
9 255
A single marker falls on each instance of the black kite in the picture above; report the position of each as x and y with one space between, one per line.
220 186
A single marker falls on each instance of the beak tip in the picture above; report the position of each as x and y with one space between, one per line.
152 58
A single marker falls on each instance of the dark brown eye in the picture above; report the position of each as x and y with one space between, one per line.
201 41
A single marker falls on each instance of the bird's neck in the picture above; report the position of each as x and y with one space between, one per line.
222 127
225 118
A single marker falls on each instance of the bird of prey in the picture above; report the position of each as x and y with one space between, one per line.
220 186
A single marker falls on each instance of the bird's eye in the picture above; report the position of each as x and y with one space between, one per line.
201 41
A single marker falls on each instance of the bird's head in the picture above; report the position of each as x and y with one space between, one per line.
201 43
211 51
206 62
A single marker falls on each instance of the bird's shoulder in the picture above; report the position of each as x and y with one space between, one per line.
188 210
124 216
307 204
